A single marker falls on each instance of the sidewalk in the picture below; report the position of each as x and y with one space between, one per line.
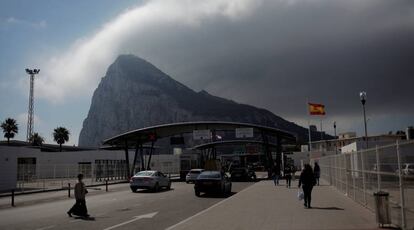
44 197
264 206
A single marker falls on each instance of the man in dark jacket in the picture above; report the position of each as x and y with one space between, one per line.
79 208
307 180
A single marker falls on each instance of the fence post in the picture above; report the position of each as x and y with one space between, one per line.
378 168
354 174
68 189
363 177
12 198
346 174
402 197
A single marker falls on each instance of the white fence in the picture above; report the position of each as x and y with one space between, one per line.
387 168
32 177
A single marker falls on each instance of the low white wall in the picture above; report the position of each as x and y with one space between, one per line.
65 164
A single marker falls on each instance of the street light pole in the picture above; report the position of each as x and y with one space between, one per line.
336 140
363 97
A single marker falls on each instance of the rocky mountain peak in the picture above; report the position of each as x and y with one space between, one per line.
136 94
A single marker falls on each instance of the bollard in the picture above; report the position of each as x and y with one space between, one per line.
12 198
68 189
106 185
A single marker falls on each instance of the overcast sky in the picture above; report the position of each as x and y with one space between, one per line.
272 54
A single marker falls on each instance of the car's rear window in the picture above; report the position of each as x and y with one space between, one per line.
145 173
208 175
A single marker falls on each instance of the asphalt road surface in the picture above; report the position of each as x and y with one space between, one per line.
117 209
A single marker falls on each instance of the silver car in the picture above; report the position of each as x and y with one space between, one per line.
153 180
192 175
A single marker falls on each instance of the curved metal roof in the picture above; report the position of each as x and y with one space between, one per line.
232 142
167 130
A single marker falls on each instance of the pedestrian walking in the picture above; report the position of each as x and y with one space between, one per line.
288 176
79 208
276 176
307 181
317 172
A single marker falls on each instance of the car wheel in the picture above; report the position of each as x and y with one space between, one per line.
187 182
197 193
133 189
169 185
156 187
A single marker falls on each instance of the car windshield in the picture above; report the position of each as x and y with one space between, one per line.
195 172
145 173
209 175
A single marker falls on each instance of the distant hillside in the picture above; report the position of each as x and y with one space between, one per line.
135 94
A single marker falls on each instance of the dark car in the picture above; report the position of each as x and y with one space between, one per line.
212 182
242 174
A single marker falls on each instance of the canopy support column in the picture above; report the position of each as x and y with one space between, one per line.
135 158
127 159
268 155
150 156
141 151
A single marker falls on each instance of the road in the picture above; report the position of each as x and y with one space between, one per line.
117 209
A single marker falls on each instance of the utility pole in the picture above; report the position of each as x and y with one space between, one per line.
30 120
336 140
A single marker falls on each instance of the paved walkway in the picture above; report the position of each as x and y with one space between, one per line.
264 206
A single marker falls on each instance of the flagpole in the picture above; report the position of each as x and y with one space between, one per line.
309 130
321 130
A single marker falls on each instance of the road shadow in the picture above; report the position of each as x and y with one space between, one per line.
216 195
150 191
328 208
89 218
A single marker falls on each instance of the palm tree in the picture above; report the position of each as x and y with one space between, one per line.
10 128
61 135
36 139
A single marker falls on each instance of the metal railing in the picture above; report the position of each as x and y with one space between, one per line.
387 168
35 177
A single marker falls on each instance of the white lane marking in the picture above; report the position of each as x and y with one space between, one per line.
149 215
205 210
47 227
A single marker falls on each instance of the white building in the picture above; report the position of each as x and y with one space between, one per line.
20 161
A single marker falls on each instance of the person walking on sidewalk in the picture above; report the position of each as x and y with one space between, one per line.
288 176
317 172
276 175
79 208
307 181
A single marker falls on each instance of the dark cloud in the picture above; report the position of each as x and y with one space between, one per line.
271 54
285 53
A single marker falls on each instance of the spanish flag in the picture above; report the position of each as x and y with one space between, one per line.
316 109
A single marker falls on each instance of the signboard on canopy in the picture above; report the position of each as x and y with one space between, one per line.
244 132
203 134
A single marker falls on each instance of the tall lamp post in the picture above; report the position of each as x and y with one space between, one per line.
363 97
336 141
30 120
